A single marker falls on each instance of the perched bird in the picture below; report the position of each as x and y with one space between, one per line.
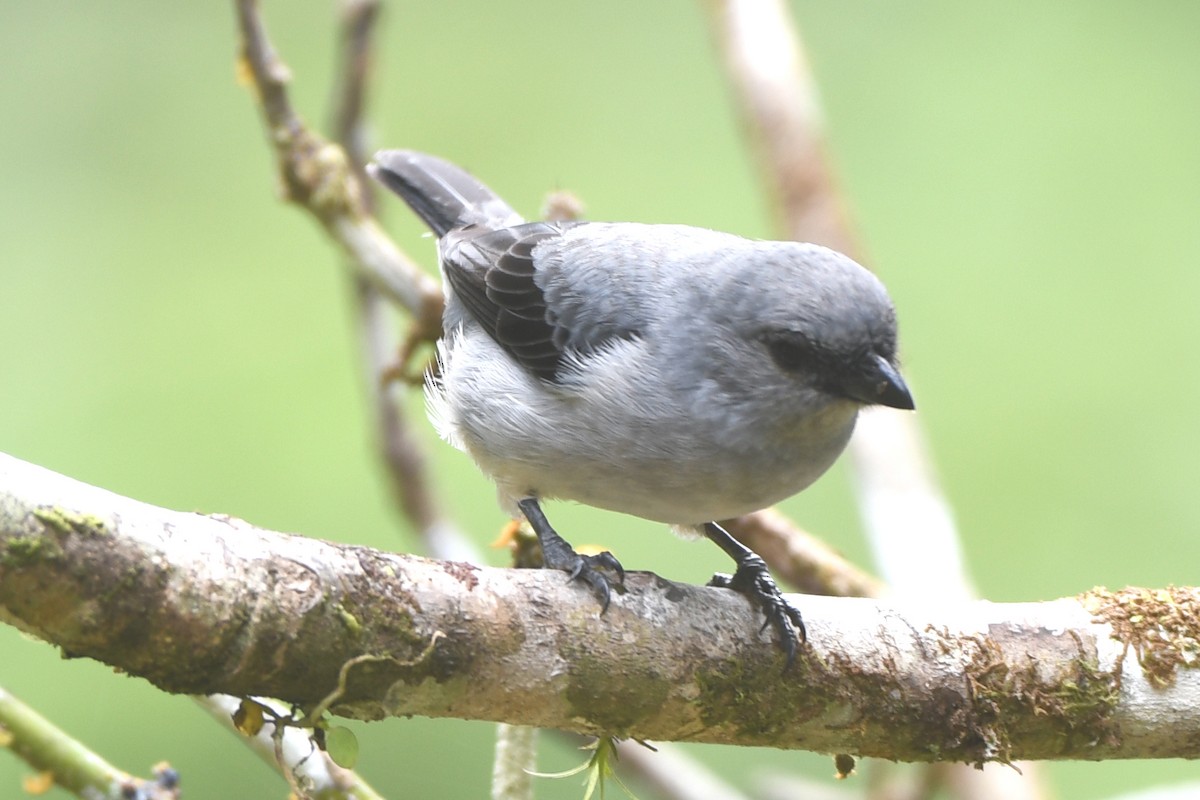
668 372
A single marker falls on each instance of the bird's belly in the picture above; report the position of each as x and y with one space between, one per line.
669 475
678 492
597 445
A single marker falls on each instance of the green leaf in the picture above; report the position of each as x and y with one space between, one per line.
342 746
598 767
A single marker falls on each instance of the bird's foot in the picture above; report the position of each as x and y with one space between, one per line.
753 580
600 572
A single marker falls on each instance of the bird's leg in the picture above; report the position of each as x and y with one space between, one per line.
754 581
557 553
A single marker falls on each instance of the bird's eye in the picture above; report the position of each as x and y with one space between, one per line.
791 351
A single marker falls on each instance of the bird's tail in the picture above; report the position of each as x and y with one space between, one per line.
441 194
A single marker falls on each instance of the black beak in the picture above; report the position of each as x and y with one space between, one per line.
880 384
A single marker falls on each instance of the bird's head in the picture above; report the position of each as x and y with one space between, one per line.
819 320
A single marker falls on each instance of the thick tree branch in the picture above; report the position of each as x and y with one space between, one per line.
202 604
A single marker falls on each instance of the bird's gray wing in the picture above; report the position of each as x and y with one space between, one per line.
535 310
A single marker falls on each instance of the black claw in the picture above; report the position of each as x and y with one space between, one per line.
608 561
558 554
591 570
753 580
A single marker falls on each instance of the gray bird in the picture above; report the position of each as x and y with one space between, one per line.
668 372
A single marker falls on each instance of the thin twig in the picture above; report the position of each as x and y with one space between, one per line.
399 447
781 114
907 518
291 752
317 176
401 452
69 763
350 92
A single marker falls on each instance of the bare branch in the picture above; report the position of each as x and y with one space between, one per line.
801 559
402 455
672 773
316 175
902 505
399 448
781 113
350 94
514 762
203 605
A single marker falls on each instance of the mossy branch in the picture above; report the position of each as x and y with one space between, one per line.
204 604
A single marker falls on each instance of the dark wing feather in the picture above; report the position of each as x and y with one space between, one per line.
494 276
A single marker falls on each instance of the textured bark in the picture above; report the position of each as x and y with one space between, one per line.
203 604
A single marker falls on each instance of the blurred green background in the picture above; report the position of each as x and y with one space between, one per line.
1026 179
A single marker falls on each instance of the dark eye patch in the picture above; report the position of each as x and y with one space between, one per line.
793 351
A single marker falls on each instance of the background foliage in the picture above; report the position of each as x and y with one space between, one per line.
1026 179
